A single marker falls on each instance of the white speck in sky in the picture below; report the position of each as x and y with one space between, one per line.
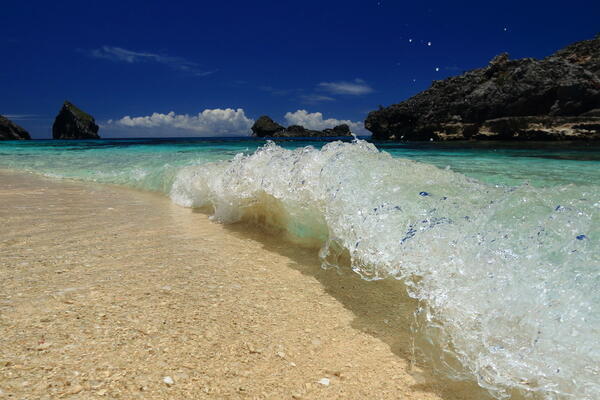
437 69
505 29
414 80
409 40
428 43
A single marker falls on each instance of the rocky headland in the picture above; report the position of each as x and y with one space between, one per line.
556 98
73 123
11 131
266 127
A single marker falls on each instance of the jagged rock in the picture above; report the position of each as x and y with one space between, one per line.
540 128
11 131
339 130
592 113
585 53
296 130
500 59
72 123
300 131
266 127
509 99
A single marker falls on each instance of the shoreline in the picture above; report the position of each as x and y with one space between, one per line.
107 291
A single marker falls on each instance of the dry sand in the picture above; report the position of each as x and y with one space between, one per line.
109 293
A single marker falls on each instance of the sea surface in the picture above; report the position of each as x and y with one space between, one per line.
500 243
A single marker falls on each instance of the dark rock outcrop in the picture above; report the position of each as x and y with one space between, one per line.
266 127
339 130
551 99
585 54
72 123
298 131
11 131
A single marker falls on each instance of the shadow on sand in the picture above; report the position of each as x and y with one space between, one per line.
381 308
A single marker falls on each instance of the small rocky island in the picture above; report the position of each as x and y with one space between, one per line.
266 127
73 123
11 131
557 98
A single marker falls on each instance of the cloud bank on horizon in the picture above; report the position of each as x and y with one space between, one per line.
217 122
316 121
210 122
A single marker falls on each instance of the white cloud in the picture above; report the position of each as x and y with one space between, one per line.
210 122
119 54
214 122
355 88
315 121
315 98
22 117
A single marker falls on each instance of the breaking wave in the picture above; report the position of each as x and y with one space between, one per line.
509 278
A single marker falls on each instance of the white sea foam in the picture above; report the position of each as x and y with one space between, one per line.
508 277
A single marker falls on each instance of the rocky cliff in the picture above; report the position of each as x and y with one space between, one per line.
11 131
557 98
266 127
72 123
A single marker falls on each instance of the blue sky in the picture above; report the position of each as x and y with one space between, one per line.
216 66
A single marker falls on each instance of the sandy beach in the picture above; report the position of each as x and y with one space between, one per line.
108 292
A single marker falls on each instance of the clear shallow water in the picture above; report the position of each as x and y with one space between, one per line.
539 164
501 245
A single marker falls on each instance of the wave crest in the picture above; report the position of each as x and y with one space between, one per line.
508 276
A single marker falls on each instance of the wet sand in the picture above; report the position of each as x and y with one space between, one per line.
109 293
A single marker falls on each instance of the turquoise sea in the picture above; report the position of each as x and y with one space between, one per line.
499 242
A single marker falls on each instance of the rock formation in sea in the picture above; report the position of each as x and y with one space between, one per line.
11 131
556 98
73 123
266 127
338 130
